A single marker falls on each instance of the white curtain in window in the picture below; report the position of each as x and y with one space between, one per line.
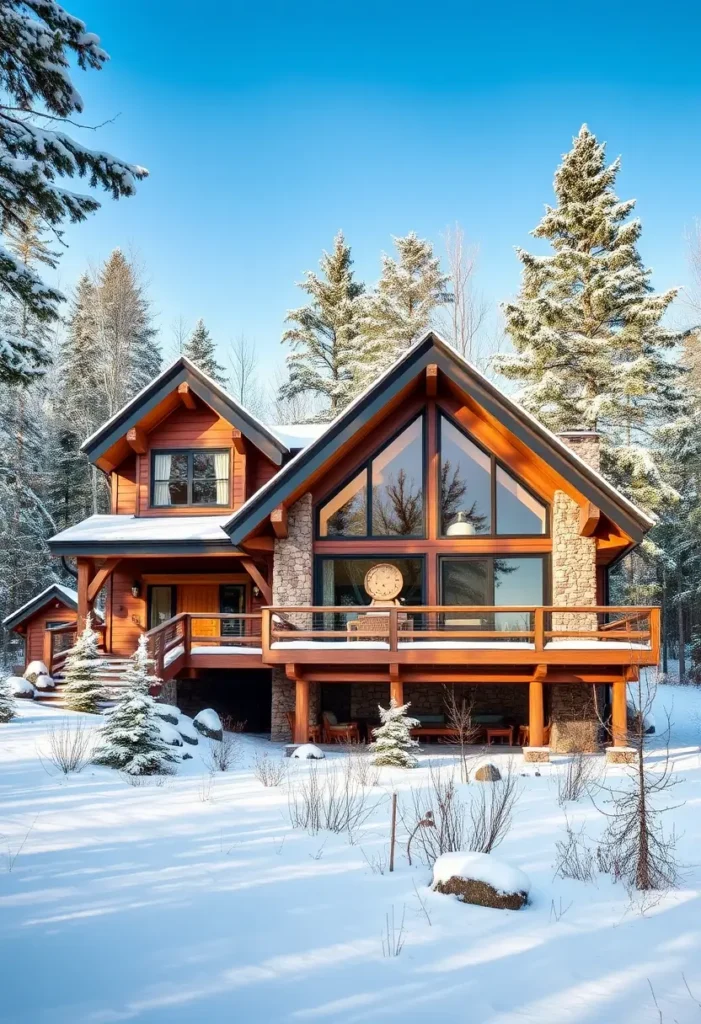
221 471
161 490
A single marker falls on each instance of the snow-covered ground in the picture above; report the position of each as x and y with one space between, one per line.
193 899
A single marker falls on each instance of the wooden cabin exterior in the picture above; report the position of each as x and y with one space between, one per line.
242 551
52 610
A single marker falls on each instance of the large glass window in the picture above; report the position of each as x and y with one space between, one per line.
518 511
386 498
190 478
494 581
465 485
341 579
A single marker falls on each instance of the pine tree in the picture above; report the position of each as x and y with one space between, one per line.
403 306
130 738
82 690
200 350
393 741
38 43
7 703
325 332
591 351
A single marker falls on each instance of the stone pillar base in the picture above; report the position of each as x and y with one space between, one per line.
621 755
536 755
169 693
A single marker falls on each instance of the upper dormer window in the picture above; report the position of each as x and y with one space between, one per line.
194 477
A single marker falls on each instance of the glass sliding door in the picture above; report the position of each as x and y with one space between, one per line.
161 605
232 601
492 581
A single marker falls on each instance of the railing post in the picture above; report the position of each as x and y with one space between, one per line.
655 631
265 637
539 629
187 635
393 629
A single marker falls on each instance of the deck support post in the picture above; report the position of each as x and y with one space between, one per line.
536 718
301 711
85 574
396 690
619 713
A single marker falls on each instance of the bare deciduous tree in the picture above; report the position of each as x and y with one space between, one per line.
467 312
458 713
244 382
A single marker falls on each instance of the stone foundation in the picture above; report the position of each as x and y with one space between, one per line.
621 755
169 693
283 700
575 724
536 755
429 699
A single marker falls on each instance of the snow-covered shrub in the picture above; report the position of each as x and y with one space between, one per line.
222 755
82 690
334 803
208 723
7 702
361 767
44 683
131 738
393 741
35 669
70 746
270 771
580 773
574 857
187 730
169 734
20 687
168 712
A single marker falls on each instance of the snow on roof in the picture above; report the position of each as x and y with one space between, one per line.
36 602
108 529
298 435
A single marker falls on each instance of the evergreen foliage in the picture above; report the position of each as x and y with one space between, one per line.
393 743
82 690
38 43
7 703
591 350
410 291
199 349
130 739
324 338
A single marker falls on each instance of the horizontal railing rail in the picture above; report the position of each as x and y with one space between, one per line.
174 639
59 641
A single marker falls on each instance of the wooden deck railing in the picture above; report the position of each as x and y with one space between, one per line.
58 641
174 639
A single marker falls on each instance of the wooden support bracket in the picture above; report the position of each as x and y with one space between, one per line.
431 380
239 440
101 576
186 396
259 580
259 544
589 516
278 521
136 439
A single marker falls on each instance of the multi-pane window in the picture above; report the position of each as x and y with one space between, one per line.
195 477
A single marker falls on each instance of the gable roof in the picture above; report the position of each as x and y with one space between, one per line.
183 371
54 592
432 349
143 535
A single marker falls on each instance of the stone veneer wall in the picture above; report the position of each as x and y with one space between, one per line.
429 699
293 584
573 712
169 693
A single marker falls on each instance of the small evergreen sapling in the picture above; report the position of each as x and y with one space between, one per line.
83 690
393 743
131 739
7 703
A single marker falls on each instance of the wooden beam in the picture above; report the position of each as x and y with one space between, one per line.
301 711
136 439
278 521
85 571
101 577
536 716
259 580
186 396
239 441
589 516
259 544
432 380
396 691
619 714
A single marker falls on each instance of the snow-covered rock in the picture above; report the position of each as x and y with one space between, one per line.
208 723
168 712
21 687
44 683
481 879
170 734
308 752
35 669
186 728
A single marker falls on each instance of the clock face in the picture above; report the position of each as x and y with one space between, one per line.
384 582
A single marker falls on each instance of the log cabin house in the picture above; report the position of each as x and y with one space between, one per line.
243 552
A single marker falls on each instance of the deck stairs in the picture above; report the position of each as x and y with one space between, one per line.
111 676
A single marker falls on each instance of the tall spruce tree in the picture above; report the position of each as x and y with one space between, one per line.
38 43
82 689
403 306
199 349
591 349
324 338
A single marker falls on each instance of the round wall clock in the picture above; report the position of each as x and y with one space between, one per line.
384 582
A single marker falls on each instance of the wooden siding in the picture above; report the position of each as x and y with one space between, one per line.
124 488
36 627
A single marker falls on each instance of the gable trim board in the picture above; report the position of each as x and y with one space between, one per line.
55 592
179 372
433 349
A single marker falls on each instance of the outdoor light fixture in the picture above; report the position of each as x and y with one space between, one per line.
136 588
461 527
256 591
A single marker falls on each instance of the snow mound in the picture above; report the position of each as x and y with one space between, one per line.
308 752
20 687
168 712
186 728
169 734
35 669
481 867
44 683
209 724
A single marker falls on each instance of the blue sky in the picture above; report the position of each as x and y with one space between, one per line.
266 128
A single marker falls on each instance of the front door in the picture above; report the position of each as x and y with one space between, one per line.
232 601
161 605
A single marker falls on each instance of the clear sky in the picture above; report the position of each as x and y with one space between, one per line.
266 127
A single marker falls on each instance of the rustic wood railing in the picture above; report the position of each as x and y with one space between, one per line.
504 624
175 638
58 641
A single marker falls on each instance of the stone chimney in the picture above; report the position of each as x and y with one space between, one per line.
586 444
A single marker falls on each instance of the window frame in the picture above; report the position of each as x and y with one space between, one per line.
371 556
190 452
490 558
365 468
495 462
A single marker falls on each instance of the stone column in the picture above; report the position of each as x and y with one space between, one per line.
293 585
